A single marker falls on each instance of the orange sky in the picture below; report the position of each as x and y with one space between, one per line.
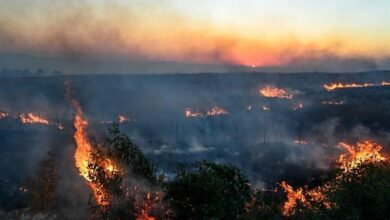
252 33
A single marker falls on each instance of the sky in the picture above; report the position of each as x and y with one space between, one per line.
252 33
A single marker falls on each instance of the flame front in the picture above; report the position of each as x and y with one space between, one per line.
215 111
273 92
339 85
364 152
31 118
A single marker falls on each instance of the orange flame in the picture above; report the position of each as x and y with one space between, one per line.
31 118
273 92
333 86
364 152
292 197
83 157
215 111
189 113
305 198
123 119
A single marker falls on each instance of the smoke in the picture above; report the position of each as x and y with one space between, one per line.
55 35
267 146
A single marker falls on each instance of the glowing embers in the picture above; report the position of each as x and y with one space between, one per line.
214 111
339 85
274 92
31 118
362 153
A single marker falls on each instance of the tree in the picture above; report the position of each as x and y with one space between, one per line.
208 191
121 147
363 193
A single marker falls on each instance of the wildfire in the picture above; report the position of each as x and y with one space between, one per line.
3 115
273 92
189 113
83 157
292 197
123 119
333 86
363 152
384 83
31 118
303 196
215 111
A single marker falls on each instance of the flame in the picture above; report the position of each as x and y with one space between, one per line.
83 157
384 83
31 118
333 86
273 92
304 197
215 111
266 108
189 113
362 153
292 197
123 119
3 115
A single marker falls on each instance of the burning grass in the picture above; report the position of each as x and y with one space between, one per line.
274 92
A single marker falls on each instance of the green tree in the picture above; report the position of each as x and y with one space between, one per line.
208 191
123 149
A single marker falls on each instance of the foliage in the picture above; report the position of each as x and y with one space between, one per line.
363 193
122 148
208 191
